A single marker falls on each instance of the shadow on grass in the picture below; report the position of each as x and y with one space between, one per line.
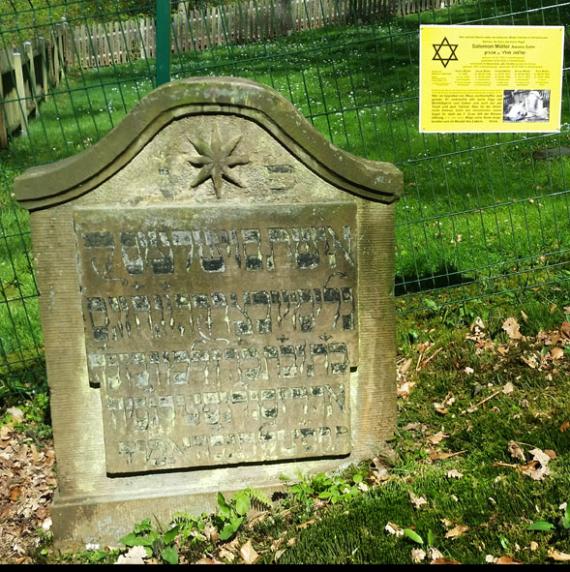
442 277
22 380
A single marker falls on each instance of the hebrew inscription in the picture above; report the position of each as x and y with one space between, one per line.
220 336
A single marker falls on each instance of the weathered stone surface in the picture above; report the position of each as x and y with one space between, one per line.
219 336
216 285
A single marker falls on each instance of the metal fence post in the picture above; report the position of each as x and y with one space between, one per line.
162 41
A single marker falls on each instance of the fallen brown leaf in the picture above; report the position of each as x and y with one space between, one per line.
16 413
414 427
556 353
565 426
437 438
418 502
226 555
434 553
405 366
208 560
394 529
537 469
511 326
442 455
248 553
558 556
6 432
508 388
457 531
440 408
380 474
516 451
507 560
418 555
276 544
306 524
444 561
211 533
255 517
531 361
403 390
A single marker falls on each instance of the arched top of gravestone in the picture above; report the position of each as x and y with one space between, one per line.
63 181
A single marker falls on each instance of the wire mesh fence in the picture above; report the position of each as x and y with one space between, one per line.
482 213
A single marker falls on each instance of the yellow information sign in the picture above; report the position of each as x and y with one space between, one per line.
490 78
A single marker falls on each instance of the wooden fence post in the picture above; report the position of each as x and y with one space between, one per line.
61 53
21 91
55 62
29 50
141 37
3 118
45 67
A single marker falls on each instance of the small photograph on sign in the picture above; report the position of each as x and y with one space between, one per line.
526 105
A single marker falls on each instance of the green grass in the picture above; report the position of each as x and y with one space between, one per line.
497 503
477 207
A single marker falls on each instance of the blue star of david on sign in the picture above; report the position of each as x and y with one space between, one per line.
448 50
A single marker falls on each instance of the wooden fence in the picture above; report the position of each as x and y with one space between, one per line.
26 76
105 44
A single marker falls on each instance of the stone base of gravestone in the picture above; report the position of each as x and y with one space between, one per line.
216 297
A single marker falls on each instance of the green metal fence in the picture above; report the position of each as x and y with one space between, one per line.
482 213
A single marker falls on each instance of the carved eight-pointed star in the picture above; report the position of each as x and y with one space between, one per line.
216 160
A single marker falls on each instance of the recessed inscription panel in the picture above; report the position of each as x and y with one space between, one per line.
220 336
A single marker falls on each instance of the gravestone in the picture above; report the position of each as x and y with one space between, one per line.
216 299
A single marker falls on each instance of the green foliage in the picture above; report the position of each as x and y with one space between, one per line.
329 488
547 526
541 525
143 535
169 555
232 513
164 545
187 528
185 532
413 536
229 518
565 520
96 556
